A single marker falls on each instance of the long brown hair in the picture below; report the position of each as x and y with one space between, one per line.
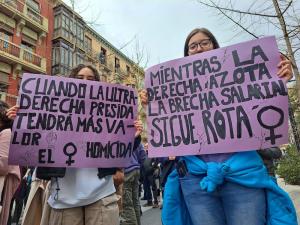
5 122
200 30
74 72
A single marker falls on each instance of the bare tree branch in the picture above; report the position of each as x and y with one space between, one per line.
296 50
235 10
288 6
235 22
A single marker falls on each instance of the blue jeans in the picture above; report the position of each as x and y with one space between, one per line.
229 204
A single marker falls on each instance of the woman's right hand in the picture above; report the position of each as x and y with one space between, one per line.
138 124
144 97
12 112
172 157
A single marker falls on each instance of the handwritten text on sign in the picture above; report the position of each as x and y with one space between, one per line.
225 100
65 122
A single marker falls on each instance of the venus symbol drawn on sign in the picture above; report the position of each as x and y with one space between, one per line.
271 128
70 150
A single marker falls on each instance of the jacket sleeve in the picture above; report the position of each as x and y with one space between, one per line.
142 154
270 153
3 166
137 142
5 136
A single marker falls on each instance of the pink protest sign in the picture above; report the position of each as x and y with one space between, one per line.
226 100
65 122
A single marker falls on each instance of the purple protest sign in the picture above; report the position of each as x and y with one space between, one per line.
65 122
225 100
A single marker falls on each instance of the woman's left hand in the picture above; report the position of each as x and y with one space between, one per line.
285 69
139 127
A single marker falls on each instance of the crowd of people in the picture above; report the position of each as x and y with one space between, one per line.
216 189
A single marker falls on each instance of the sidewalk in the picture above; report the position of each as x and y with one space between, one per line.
294 192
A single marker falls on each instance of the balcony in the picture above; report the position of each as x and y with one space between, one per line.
34 16
32 58
19 5
14 54
19 10
63 33
9 48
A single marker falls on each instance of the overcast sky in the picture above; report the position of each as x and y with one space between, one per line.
161 26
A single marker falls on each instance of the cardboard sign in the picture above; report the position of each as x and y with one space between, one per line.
65 122
225 100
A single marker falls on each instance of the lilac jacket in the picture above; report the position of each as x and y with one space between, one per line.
137 158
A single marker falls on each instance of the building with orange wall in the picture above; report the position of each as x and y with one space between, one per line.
25 42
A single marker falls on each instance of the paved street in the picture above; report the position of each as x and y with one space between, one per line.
150 216
294 192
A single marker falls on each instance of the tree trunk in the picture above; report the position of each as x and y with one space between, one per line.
295 68
294 127
289 46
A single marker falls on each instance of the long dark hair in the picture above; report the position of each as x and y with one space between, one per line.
5 122
200 30
74 72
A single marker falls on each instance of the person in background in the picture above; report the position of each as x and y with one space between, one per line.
9 174
20 197
168 164
151 172
131 203
269 155
147 170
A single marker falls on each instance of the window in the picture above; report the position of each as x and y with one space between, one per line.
66 56
33 11
79 32
29 47
88 44
27 40
128 70
33 5
102 56
3 82
55 56
66 25
117 65
65 21
80 35
79 59
57 21
62 58
5 36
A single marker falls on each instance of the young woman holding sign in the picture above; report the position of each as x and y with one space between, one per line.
84 196
222 189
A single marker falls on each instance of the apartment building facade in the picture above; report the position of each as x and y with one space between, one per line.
49 37
75 42
114 66
68 40
25 42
